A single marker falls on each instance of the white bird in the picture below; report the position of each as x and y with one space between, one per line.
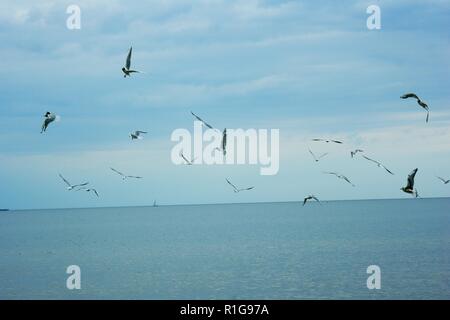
443 180
410 184
340 176
126 70
137 135
317 158
125 176
188 162
355 152
236 190
379 164
420 102
202 121
49 118
328 140
72 186
90 190
310 197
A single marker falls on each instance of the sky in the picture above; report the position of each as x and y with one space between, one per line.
311 69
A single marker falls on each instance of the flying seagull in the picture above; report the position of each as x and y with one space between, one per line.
379 164
224 141
420 102
72 186
188 162
340 176
355 152
310 197
410 184
317 158
126 70
328 140
201 120
443 180
49 118
90 190
137 135
125 176
236 190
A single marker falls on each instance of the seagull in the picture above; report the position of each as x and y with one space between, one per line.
201 120
49 118
126 70
443 180
340 176
410 184
328 140
317 158
125 176
224 141
137 135
379 164
355 152
189 163
310 197
90 190
420 102
236 190
72 186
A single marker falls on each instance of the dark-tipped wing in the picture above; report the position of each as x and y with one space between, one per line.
234 187
409 95
337 141
118 172
128 62
67 182
374 161
135 177
411 177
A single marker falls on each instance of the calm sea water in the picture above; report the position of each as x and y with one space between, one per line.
236 251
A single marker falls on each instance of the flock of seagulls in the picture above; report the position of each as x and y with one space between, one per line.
50 117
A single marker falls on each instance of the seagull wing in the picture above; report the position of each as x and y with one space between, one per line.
201 120
95 191
81 185
184 158
411 176
139 132
442 179
409 95
118 172
135 177
315 198
389 171
67 182
304 200
346 179
318 139
337 141
312 154
128 62
245 189
367 158
234 187
323 155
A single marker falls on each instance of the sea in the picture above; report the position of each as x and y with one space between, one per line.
230 251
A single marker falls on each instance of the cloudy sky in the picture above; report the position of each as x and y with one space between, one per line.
308 68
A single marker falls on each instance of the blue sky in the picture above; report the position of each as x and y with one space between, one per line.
308 68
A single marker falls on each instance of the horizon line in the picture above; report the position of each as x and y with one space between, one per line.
214 204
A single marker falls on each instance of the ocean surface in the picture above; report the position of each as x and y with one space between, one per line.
232 251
